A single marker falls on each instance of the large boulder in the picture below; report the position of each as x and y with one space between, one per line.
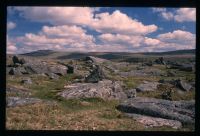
95 75
105 89
147 86
15 71
17 60
183 111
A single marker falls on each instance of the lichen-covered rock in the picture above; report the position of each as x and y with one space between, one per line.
105 89
183 111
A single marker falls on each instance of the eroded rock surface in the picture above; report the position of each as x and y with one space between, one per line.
105 89
17 101
182 111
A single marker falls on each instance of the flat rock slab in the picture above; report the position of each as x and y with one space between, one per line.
149 121
104 89
183 111
147 86
17 101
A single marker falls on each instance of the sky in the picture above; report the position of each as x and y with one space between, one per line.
100 29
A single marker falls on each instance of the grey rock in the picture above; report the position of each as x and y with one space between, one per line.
26 80
131 93
17 60
15 71
186 67
70 69
183 85
95 59
52 76
17 101
182 111
147 86
95 75
12 89
149 121
105 89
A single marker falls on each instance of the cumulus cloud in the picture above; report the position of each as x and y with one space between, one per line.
116 22
11 47
11 25
58 38
179 15
185 14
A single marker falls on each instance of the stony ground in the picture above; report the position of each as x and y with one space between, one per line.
83 94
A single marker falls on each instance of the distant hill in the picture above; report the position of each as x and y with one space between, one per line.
177 52
39 53
105 55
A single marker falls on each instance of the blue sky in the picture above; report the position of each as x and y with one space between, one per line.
110 29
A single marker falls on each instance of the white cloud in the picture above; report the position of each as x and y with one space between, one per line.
11 47
116 22
185 14
58 15
58 38
11 25
118 39
151 41
167 15
120 23
179 15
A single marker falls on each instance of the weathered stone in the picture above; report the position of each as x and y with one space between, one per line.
131 93
147 86
105 89
95 59
182 111
52 76
26 80
96 75
149 121
17 101
70 69
15 71
183 85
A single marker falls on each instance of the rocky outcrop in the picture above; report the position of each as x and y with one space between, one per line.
183 111
149 121
147 86
105 89
95 75
17 101
32 66
95 59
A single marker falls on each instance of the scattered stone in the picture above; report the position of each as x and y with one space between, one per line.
147 86
131 93
17 101
167 95
160 60
52 76
183 111
26 80
149 121
183 85
105 89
